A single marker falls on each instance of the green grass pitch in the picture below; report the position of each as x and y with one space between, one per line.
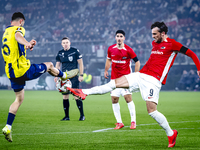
37 124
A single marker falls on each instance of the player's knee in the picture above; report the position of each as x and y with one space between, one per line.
152 114
49 65
115 100
19 99
128 99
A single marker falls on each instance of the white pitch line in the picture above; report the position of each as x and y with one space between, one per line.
48 133
101 130
96 131
136 130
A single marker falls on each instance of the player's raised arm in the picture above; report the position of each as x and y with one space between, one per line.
19 38
189 53
194 57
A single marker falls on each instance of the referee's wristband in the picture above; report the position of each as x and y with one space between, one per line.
81 75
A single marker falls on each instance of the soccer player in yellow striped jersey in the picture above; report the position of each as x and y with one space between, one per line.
14 53
19 69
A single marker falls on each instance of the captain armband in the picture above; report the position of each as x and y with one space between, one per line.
183 49
135 59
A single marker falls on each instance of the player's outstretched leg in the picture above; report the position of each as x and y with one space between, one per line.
77 92
172 139
7 134
97 90
70 74
57 73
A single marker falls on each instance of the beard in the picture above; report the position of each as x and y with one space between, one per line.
159 40
119 43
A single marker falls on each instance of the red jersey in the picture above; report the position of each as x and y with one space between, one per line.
121 60
161 59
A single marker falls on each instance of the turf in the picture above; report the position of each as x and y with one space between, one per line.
38 126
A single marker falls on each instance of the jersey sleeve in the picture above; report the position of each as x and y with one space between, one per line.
132 54
58 58
194 57
179 47
21 30
108 53
176 46
79 56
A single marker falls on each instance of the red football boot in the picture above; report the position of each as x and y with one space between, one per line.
77 92
133 125
119 125
172 139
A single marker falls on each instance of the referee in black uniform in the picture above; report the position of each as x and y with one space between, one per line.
70 58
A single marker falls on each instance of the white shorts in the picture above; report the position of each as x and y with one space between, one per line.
148 86
120 92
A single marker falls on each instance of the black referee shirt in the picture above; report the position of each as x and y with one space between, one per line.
68 58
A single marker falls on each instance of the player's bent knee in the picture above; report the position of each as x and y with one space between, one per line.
128 101
153 113
49 65
128 98
19 100
115 99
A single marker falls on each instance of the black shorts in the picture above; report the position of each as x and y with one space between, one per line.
75 84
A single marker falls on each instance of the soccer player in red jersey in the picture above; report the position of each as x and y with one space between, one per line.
120 55
151 77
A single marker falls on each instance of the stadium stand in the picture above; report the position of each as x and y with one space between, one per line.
91 25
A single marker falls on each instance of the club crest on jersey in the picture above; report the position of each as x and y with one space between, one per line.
163 47
19 29
70 58
62 54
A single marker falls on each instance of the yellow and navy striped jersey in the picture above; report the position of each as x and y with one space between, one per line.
14 53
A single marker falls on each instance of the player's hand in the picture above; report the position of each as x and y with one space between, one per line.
55 79
29 46
33 42
198 72
106 74
80 78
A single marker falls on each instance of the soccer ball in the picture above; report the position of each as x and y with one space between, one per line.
62 85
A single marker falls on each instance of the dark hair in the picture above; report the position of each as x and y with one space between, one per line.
65 38
161 26
120 31
17 15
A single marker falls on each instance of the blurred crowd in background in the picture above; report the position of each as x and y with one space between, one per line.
189 81
91 24
88 20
